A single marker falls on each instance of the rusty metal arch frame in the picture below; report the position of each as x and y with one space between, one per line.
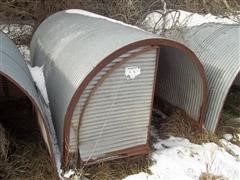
37 109
111 57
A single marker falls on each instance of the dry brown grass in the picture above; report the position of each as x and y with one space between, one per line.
117 169
25 156
4 144
27 160
178 125
209 176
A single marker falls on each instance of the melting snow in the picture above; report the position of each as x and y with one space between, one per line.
69 173
228 137
156 21
25 52
235 150
177 158
38 78
16 29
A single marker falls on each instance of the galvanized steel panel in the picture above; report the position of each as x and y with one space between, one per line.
218 48
111 121
101 100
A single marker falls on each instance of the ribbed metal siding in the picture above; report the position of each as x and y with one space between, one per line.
179 82
78 109
217 47
117 115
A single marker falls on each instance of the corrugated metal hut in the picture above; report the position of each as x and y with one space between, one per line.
218 48
102 76
16 84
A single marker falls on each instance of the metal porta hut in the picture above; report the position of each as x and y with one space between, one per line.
218 48
16 83
101 78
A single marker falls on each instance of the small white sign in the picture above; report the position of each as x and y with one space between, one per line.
132 72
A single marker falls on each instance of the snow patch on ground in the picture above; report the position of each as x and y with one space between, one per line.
228 137
235 150
157 22
16 28
69 173
24 50
38 78
178 158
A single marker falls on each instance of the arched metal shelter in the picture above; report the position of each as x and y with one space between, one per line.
101 77
16 82
218 48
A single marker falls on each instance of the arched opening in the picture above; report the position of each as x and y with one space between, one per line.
26 154
15 108
179 86
228 125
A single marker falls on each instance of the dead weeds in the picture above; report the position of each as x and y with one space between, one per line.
4 144
25 154
117 169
